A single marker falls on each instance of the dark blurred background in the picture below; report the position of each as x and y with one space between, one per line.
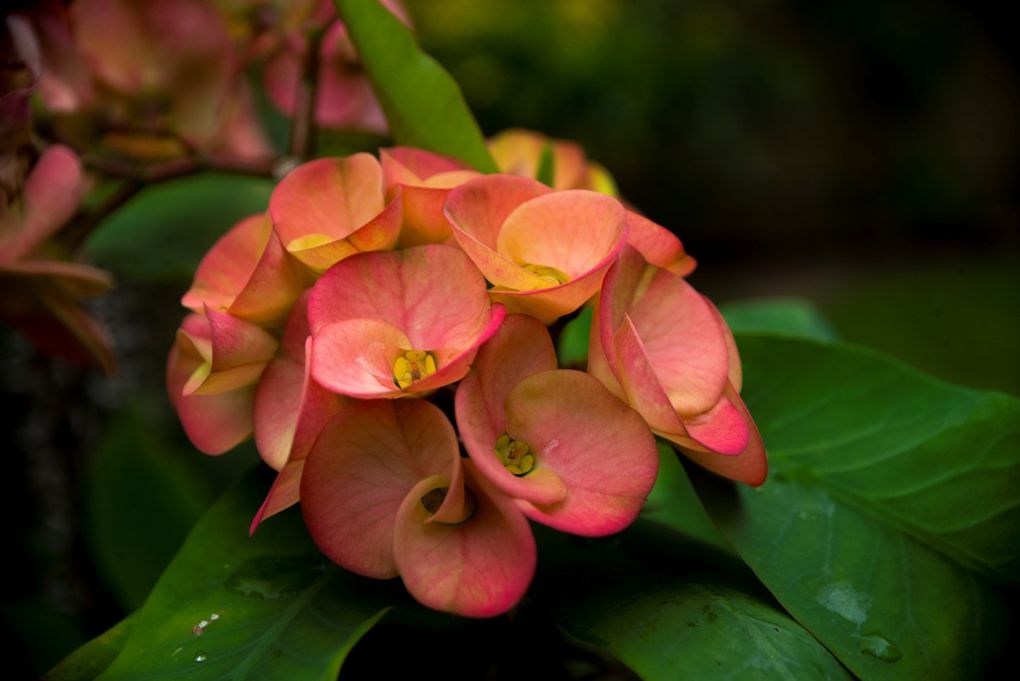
863 155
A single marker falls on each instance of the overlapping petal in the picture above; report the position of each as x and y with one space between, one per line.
358 473
331 208
594 458
247 273
211 375
478 568
667 349
425 180
372 308
545 252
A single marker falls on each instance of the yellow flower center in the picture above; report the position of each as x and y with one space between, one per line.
412 366
552 275
515 455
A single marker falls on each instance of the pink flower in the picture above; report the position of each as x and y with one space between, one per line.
248 274
384 493
388 325
331 208
211 375
425 180
290 412
664 348
42 293
571 454
545 252
171 68
519 152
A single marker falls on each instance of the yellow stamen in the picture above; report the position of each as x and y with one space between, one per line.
412 366
515 455
552 275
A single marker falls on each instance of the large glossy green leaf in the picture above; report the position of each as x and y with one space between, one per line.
672 610
267 607
423 104
162 233
784 316
890 506
93 658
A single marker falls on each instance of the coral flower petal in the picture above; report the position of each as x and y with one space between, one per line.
247 273
361 468
290 407
50 197
326 210
478 568
477 211
214 423
641 384
601 449
284 493
521 348
749 466
575 231
721 429
684 342
658 245
355 357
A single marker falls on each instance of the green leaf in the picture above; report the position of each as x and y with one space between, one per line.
785 316
572 344
674 503
546 165
891 498
93 658
230 606
423 104
670 611
163 232
139 506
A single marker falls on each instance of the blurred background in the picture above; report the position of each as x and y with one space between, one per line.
863 155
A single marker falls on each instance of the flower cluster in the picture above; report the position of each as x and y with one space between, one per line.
42 287
382 308
174 81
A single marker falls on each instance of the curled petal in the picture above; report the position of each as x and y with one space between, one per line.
248 274
322 206
748 465
521 348
599 447
361 468
355 357
684 342
214 423
577 233
233 352
477 211
658 245
477 568
290 411
284 493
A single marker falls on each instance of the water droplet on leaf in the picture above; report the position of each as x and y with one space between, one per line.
879 646
201 657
